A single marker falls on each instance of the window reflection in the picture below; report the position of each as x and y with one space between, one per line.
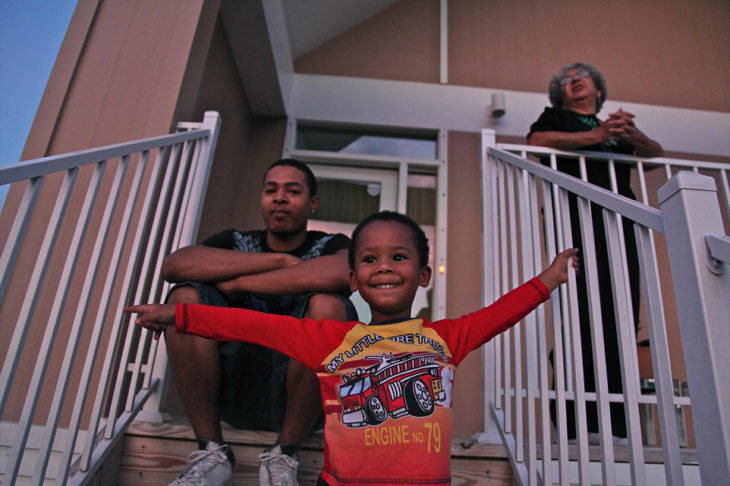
359 141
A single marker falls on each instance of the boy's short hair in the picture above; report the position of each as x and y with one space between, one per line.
301 166
419 237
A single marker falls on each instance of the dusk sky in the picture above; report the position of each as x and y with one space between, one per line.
31 32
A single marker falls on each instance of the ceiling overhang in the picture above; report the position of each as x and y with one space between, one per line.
257 34
266 35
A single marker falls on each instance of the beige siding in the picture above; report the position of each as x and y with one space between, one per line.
670 53
400 43
463 285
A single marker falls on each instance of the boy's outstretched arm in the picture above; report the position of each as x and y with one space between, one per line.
557 272
155 317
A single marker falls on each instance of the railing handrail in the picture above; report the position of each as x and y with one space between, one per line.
43 166
622 158
615 202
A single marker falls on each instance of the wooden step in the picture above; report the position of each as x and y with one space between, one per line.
153 454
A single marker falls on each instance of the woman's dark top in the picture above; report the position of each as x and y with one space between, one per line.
559 120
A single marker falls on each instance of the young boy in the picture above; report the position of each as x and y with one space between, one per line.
387 403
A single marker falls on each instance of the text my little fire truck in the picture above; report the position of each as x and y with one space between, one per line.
408 384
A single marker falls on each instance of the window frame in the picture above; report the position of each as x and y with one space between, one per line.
403 165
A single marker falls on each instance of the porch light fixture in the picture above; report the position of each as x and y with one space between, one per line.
498 107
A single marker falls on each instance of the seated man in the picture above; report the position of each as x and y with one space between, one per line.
283 269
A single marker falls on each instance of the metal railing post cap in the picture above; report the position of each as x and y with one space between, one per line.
686 180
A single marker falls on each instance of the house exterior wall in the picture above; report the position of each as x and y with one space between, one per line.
463 283
132 69
645 50
653 52
401 43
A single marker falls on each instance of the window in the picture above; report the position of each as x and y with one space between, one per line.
361 170
361 141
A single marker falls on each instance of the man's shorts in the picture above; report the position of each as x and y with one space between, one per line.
253 377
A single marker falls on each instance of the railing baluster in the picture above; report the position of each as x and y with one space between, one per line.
557 314
541 364
501 282
599 356
563 243
642 183
489 231
624 319
529 327
517 420
17 232
491 353
576 347
496 185
725 191
660 356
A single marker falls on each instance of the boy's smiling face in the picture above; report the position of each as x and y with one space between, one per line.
387 270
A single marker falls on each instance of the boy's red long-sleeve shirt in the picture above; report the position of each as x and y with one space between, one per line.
386 389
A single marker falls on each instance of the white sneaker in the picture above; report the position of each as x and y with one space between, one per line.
277 468
209 467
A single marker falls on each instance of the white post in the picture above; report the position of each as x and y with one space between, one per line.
490 432
152 410
211 121
691 211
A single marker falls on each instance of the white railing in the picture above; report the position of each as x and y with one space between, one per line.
527 220
63 309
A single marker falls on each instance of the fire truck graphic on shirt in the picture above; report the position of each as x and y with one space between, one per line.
407 384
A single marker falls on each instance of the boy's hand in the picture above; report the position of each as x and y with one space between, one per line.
557 272
155 317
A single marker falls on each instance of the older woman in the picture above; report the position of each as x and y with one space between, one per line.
577 93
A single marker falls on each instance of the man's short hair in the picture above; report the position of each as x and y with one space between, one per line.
308 174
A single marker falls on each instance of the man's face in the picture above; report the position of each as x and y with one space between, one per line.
388 270
285 201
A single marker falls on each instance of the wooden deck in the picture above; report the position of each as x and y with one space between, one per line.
154 454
